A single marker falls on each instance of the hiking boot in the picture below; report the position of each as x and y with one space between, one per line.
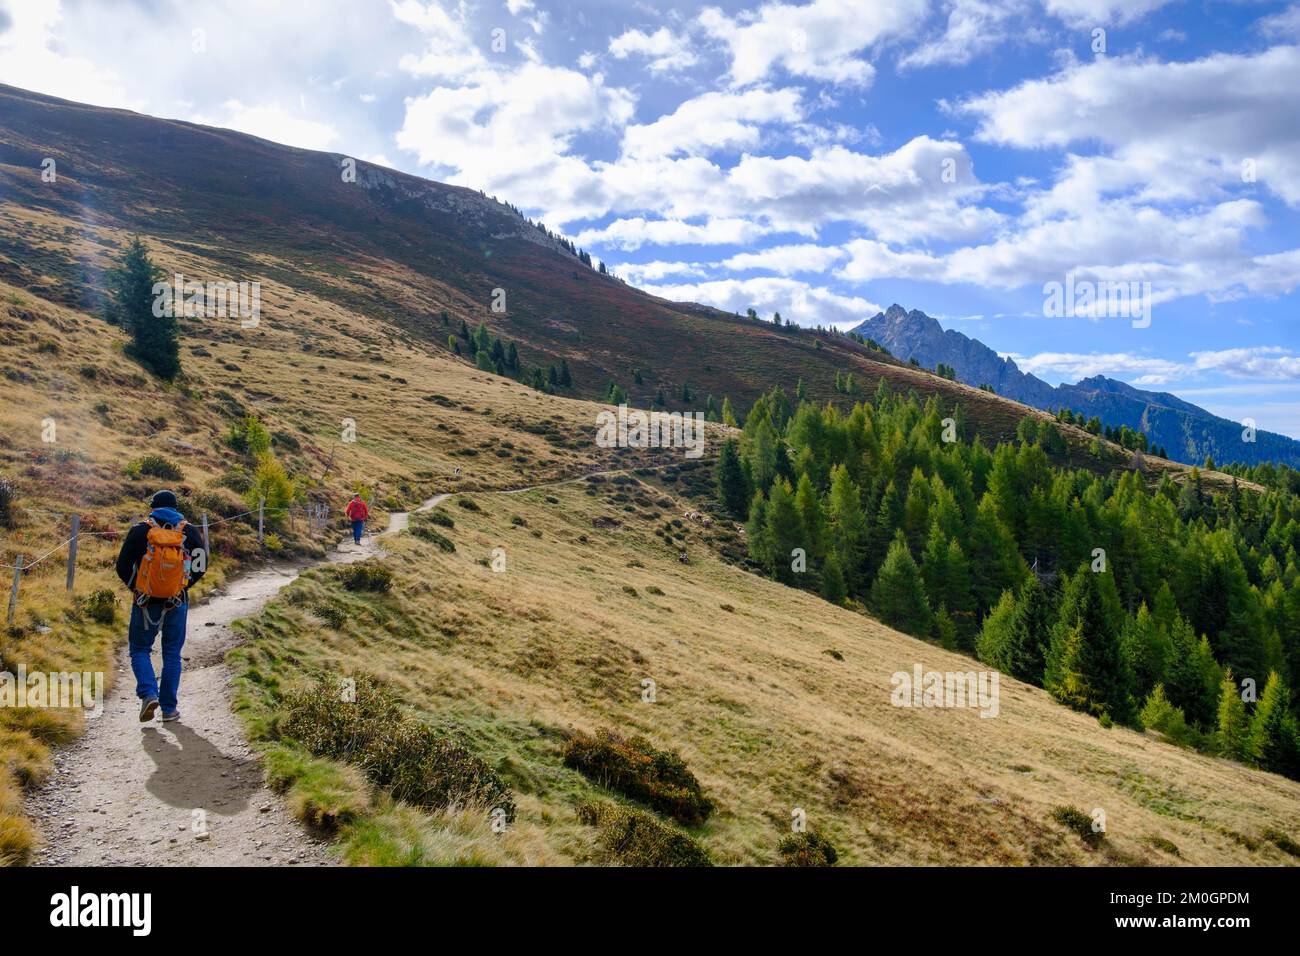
169 715
148 707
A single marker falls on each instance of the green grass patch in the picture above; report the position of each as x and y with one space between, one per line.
323 794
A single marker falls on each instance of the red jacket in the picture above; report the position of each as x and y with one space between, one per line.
357 510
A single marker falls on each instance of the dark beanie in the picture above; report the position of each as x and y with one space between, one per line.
163 499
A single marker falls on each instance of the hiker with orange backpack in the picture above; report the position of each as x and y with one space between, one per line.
161 558
357 511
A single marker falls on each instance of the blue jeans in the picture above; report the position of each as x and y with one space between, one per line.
357 528
140 637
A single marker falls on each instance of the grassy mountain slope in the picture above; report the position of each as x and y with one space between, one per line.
353 285
65 367
776 700
390 246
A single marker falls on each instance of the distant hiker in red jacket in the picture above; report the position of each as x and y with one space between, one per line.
357 512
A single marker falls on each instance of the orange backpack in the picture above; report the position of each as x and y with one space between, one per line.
165 568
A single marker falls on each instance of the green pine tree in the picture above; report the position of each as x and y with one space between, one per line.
728 413
1191 677
732 487
1147 649
945 629
848 529
810 513
898 595
757 539
1234 724
1085 667
155 339
1272 744
785 532
833 586
993 646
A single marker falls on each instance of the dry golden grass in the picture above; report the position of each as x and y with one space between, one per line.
766 718
763 714
309 366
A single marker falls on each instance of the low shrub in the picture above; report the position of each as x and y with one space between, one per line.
634 768
1074 819
369 576
468 504
807 849
395 750
1163 845
331 614
1282 842
100 606
238 479
286 440
425 533
632 837
249 436
216 503
1160 715
440 518
155 466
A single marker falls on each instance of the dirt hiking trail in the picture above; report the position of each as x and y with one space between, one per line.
190 792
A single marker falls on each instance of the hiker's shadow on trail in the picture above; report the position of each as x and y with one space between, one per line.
191 773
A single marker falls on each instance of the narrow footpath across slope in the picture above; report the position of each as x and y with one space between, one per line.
189 793
192 792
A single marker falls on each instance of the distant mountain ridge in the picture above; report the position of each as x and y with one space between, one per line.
1189 433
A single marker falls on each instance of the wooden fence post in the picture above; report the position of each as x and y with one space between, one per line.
207 552
261 516
72 550
13 595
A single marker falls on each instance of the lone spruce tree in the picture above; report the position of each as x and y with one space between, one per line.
130 305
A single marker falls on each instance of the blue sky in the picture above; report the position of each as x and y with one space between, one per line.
824 159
